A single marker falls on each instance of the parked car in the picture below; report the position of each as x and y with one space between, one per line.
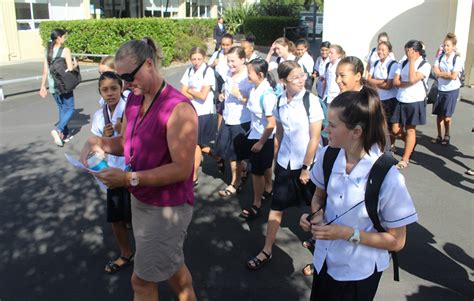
308 19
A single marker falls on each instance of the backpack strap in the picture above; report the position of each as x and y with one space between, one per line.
327 66
372 191
278 60
189 70
328 162
389 67
371 53
105 111
376 63
262 98
419 66
306 102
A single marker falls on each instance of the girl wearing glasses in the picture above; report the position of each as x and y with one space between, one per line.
258 144
158 141
197 82
350 253
236 116
282 50
296 142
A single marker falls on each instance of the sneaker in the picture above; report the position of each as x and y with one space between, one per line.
68 139
57 138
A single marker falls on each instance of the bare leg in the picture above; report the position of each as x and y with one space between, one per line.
274 221
182 284
258 186
409 142
439 125
197 162
144 290
268 180
121 235
206 150
219 120
236 172
447 125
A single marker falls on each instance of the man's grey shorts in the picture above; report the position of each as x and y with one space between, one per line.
159 236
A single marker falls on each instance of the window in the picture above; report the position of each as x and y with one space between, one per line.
161 8
198 8
29 13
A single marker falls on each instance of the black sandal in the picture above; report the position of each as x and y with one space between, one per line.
437 140
309 244
267 195
254 263
112 267
446 140
251 212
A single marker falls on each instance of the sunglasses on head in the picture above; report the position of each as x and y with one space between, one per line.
129 77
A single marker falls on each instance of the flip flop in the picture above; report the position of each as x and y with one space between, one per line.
228 191
402 164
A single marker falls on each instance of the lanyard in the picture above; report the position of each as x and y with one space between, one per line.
143 118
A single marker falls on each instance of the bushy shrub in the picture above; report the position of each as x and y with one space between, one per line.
275 9
268 29
235 17
105 36
184 43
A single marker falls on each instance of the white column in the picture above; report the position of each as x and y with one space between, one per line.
461 28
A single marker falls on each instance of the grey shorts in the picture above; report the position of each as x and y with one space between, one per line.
159 236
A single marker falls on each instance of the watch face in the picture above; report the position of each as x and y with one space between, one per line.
134 182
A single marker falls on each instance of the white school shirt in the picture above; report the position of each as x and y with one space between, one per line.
346 261
221 68
332 89
320 67
307 61
295 122
277 60
236 112
446 65
372 57
195 80
380 72
416 92
258 118
98 123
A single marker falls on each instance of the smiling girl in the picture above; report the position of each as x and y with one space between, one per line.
331 89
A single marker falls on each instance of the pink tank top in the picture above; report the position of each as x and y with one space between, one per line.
150 147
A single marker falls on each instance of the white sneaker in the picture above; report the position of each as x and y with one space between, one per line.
56 138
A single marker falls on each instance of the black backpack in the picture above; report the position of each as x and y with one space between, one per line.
64 80
215 90
376 177
388 68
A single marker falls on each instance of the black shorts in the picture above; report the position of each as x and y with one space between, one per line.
260 161
288 191
118 205
326 288
225 139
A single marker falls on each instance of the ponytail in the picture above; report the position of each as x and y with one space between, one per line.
55 34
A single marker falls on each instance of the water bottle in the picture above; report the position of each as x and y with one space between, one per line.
96 161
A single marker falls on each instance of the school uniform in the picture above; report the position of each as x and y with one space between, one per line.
307 63
341 265
388 97
411 108
372 57
261 103
236 116
320 68
332 89
293 118
254 56
448 89
118 199
277 60
221 70
207 122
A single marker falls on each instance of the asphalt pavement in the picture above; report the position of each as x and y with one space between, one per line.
54 241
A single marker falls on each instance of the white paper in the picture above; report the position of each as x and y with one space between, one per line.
78 164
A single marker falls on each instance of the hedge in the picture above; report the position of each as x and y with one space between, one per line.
268 29
106 35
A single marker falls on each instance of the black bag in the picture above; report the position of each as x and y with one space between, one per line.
64 80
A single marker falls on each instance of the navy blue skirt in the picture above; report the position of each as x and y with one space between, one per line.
207 129
389 107
225 140
445 103
409 113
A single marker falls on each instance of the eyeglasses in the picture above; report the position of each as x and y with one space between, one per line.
296 78
129 77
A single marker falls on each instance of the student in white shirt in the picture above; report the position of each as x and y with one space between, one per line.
258 146
296 142
381 76
331 89
373 56
350 253
118 199
447 73
196 84
306 61
249 48
218 61
107 64
236 116
282 50
410 110
320 67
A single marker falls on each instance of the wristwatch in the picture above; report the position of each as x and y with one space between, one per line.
134 180
306 167
355 238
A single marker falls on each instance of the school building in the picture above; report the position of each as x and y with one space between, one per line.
355 26
20 19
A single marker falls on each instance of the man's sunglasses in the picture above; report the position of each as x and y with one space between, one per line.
129 77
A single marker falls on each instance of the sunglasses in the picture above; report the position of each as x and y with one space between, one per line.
129 77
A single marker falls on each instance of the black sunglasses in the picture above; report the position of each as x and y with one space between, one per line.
129 77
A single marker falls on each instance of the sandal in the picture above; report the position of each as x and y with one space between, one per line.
308 269
195 183
309 244
255 263
251 212
437 140
446 140
267 195
112 266
228 191
469 172
402 164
